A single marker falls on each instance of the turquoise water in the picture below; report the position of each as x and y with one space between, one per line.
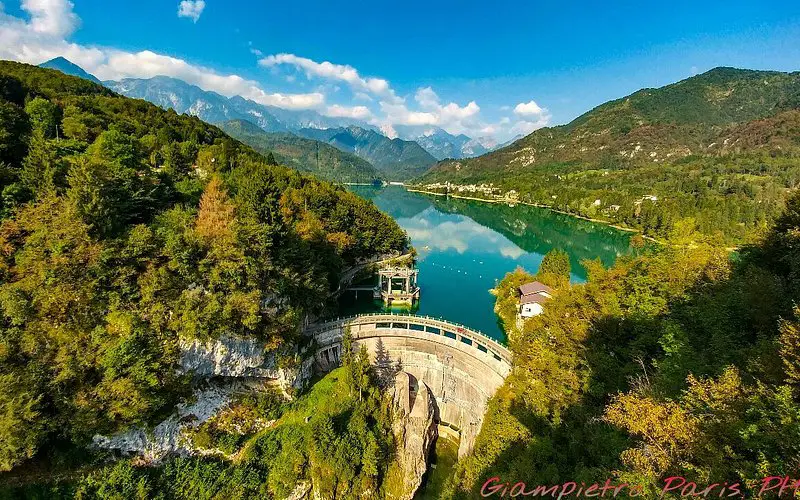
465 247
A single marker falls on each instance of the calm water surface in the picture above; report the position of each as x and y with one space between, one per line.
465 247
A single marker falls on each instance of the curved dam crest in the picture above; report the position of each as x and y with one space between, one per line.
462 367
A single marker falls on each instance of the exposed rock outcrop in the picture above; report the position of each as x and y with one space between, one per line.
169 437
237 361
301 491
237 357
415 431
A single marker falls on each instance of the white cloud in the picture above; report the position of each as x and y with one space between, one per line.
529 108
450 113
399 114
451 117
43 38
191 9
525 127
146 64
325 69
532 116
427 98
51 17
355 112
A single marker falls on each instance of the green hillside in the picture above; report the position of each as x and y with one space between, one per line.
396 159
124 228
727 139
307 155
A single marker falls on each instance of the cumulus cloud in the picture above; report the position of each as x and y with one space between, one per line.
355 112
44 34
399 114
451 116
329 70
191 9
44 37
51 17
533 117
529 108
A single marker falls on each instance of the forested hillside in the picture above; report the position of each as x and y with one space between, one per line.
306 155
126 227
721 149
678 362
396 159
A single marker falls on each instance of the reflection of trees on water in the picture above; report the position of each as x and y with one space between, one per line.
534 230
539 230
394 200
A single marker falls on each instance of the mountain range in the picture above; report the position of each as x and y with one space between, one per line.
410 154
395 158
373 146
702 115
68 67
716 153
442 145
303 154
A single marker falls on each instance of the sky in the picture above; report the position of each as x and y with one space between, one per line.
486 68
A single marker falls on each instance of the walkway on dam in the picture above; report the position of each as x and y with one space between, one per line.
424 327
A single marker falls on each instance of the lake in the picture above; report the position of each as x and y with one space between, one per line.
465 247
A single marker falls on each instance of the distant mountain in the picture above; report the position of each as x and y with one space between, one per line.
68 67
690 117
215 108
441 144
190 99
509 142
307 155
716 152
395 158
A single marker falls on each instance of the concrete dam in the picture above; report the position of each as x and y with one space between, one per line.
463 368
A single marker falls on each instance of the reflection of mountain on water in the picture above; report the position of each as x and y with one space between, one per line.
394 200
539 230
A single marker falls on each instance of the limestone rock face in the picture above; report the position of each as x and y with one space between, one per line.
168 437
300 492
415 431
233 359
237 357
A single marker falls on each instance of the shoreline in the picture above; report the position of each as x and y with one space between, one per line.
538 205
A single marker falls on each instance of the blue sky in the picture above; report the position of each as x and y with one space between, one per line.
483 68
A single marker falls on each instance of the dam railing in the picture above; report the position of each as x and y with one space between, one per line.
416 324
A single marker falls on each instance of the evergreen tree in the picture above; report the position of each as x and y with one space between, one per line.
555 268
44 116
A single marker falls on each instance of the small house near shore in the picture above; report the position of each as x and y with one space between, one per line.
532 297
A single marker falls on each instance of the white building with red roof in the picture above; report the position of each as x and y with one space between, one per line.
532 297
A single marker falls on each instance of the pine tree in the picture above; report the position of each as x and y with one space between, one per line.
215 219
790 350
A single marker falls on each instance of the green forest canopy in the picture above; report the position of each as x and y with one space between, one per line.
126 228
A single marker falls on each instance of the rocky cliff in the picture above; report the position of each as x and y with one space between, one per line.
415 432
238 357
221 367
